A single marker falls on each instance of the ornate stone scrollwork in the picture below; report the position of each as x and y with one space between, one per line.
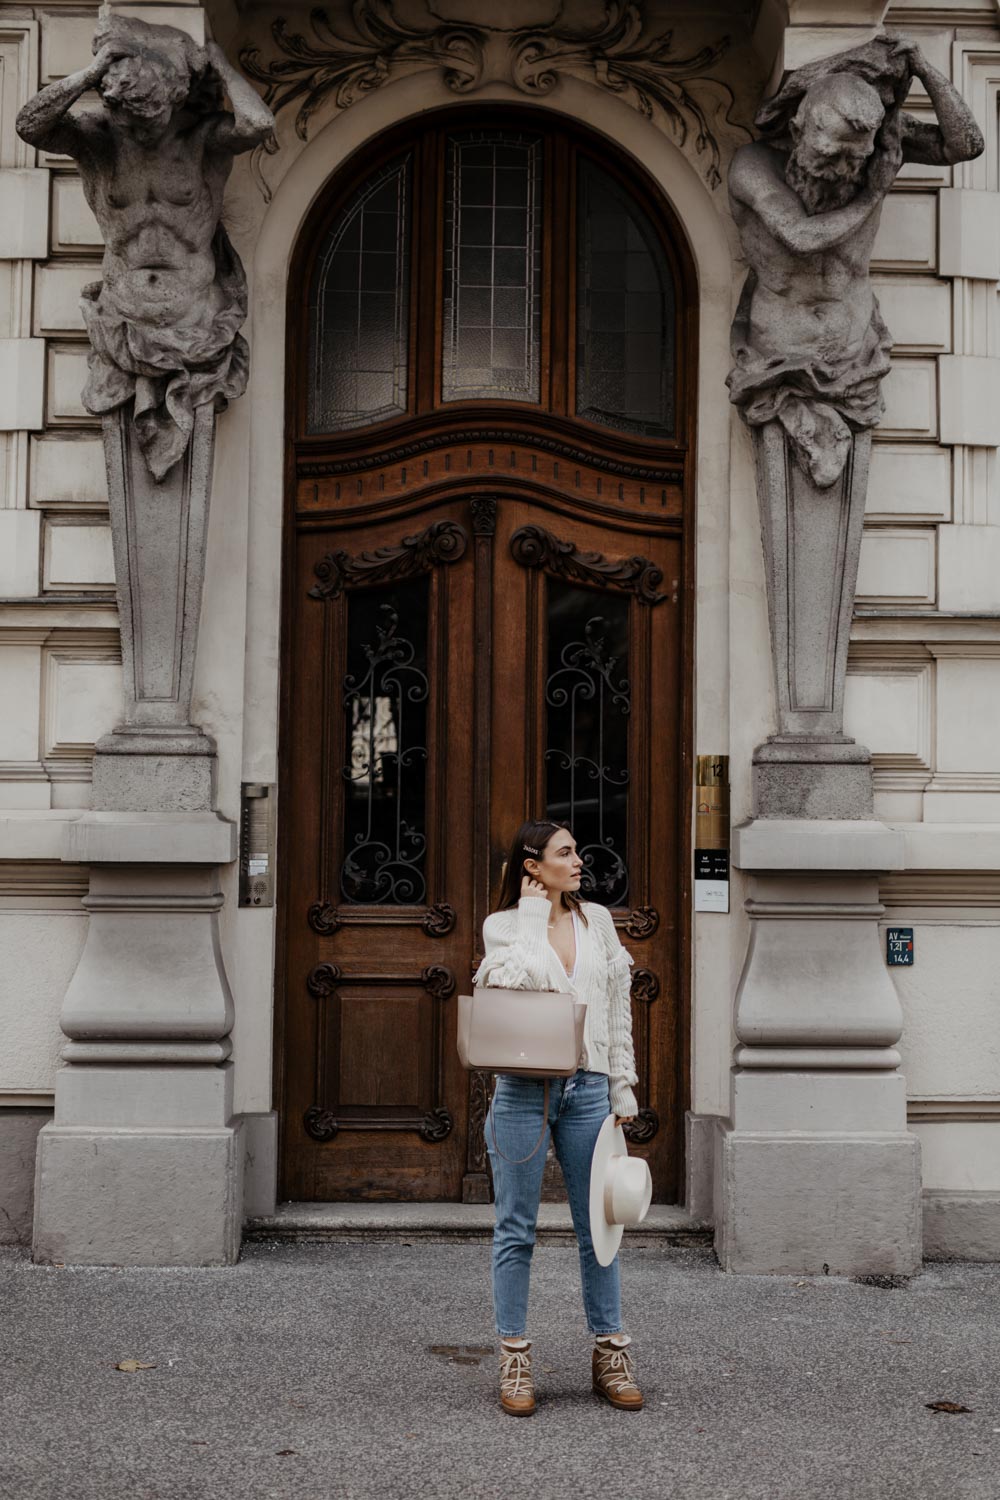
534 547
442 542
645 72
438 981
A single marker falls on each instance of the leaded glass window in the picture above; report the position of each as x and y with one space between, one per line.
492 267
385 763
588 700
625 312
359 308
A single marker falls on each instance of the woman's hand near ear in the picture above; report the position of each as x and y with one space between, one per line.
531 887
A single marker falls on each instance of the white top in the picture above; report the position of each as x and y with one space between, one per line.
519 956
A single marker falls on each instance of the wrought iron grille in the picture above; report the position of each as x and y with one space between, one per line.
588 700
385 696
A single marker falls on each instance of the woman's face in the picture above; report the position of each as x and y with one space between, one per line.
560 867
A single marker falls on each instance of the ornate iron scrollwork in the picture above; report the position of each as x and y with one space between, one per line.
320 1123
642 922
438 920
375 871
586 675
436 1126
643 1127
534 547
442 542
323 917
645 986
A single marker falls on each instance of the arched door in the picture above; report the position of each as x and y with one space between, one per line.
490 378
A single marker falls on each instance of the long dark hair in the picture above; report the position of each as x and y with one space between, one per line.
530 842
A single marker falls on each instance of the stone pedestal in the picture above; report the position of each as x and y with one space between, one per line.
815 1168
156 759
142 1163
812 544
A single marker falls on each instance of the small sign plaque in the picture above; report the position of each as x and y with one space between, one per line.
711 880
898 946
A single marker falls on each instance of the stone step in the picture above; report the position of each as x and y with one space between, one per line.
665 1224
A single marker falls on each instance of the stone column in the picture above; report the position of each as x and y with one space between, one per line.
815 1168
143 1163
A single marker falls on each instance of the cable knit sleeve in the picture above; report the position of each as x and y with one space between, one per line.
517 947
621 1053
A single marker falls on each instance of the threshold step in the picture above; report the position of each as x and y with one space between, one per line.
665 1224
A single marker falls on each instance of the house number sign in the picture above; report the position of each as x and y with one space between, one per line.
899 946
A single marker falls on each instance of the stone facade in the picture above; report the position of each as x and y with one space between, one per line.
921 692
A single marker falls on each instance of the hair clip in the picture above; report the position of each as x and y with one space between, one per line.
529 850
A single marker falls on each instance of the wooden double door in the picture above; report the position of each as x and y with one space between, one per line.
455 669
484 622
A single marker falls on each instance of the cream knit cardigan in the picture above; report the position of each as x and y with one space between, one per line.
519 956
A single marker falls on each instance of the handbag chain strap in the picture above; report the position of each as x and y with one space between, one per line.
520 1160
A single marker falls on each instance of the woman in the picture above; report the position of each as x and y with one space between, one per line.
546 938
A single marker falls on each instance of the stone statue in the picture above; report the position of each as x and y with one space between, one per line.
810 348
154 158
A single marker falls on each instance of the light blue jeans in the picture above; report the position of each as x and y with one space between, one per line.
578 1107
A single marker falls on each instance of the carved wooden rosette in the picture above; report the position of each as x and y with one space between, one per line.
324 1119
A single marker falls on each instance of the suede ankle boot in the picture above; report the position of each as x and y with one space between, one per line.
613 1372
517 1389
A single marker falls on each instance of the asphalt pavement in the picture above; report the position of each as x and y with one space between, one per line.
352 1370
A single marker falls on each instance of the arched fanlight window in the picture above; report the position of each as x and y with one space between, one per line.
625 312
359 308
535 276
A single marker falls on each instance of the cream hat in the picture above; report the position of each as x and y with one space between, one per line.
621 1190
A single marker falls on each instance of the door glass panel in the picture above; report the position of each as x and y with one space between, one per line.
359 308
588 699
385 762
625 313
492 267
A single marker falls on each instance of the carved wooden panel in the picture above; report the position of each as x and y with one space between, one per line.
588 478
380 1058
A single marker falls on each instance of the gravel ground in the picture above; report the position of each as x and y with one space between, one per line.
315 1370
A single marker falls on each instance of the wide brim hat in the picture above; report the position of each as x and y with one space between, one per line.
621 1190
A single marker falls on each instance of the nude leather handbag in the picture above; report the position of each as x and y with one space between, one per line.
531 1033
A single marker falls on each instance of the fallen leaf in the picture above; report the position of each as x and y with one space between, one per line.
948 1406
283 1452
131 1365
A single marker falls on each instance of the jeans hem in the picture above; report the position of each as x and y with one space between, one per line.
511 1335
605 1333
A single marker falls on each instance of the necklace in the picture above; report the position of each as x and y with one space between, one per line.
560 918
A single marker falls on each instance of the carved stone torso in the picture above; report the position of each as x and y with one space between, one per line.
158 205
823 305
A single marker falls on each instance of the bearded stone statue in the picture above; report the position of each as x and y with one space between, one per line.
154 158
810 348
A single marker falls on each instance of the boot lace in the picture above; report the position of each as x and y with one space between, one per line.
616 1370
515 1372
